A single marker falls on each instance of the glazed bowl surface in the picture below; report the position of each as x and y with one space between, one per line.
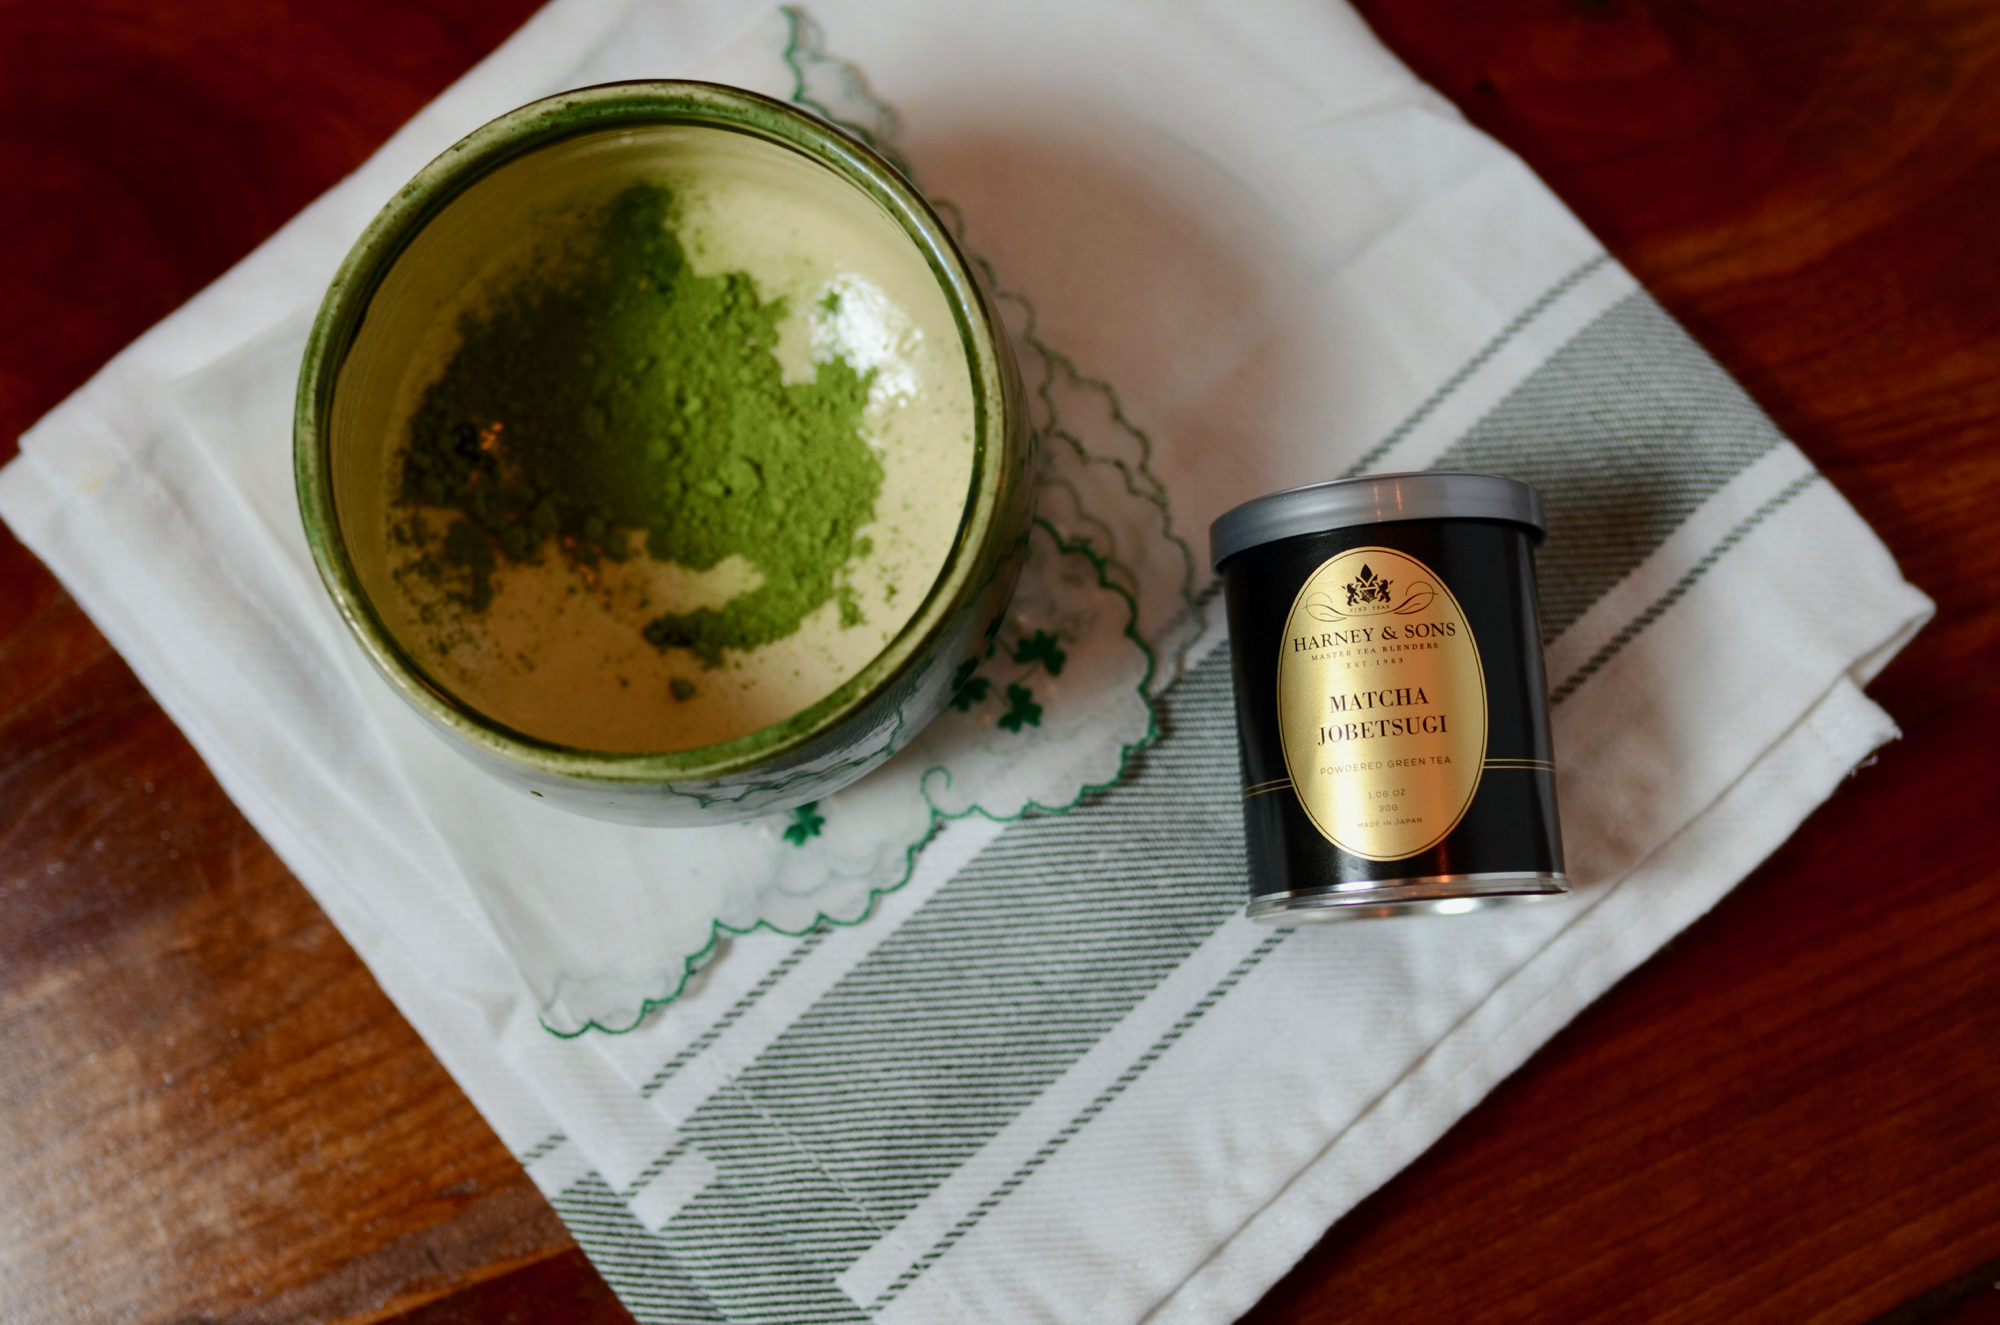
593 722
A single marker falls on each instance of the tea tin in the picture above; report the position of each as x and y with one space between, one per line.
1391 701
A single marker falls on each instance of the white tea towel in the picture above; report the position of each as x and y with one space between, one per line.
1053 1076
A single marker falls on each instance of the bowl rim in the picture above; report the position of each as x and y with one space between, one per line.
609 108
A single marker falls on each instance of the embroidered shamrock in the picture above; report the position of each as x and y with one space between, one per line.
1022 709
1045 649
1042 649
806 822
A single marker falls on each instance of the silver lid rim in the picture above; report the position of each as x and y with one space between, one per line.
1435 494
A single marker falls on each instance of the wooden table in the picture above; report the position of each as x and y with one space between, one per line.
209 1112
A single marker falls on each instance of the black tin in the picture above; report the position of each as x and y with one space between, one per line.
1390 697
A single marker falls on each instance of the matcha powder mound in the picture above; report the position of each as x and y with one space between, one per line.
615 392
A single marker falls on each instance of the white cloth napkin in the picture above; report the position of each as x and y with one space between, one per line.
1054 1076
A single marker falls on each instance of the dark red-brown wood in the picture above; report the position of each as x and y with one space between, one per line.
208 1111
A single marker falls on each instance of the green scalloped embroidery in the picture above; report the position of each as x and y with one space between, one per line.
721 930
806 50
806 44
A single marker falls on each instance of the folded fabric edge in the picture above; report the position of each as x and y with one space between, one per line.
1869 667
564 1022
1703 862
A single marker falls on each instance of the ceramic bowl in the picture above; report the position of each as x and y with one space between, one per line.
446 226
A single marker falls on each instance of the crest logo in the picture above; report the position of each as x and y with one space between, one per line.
1367 589
1369 594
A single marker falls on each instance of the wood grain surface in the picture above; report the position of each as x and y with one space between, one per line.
209 1112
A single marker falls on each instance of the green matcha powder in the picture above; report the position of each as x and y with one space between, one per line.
616 393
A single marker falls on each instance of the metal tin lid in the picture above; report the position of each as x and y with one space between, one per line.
1434 494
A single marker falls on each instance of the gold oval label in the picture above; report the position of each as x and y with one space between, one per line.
1381 704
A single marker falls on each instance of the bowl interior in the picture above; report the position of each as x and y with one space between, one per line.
558 659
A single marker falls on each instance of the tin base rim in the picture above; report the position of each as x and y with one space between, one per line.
1442 894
